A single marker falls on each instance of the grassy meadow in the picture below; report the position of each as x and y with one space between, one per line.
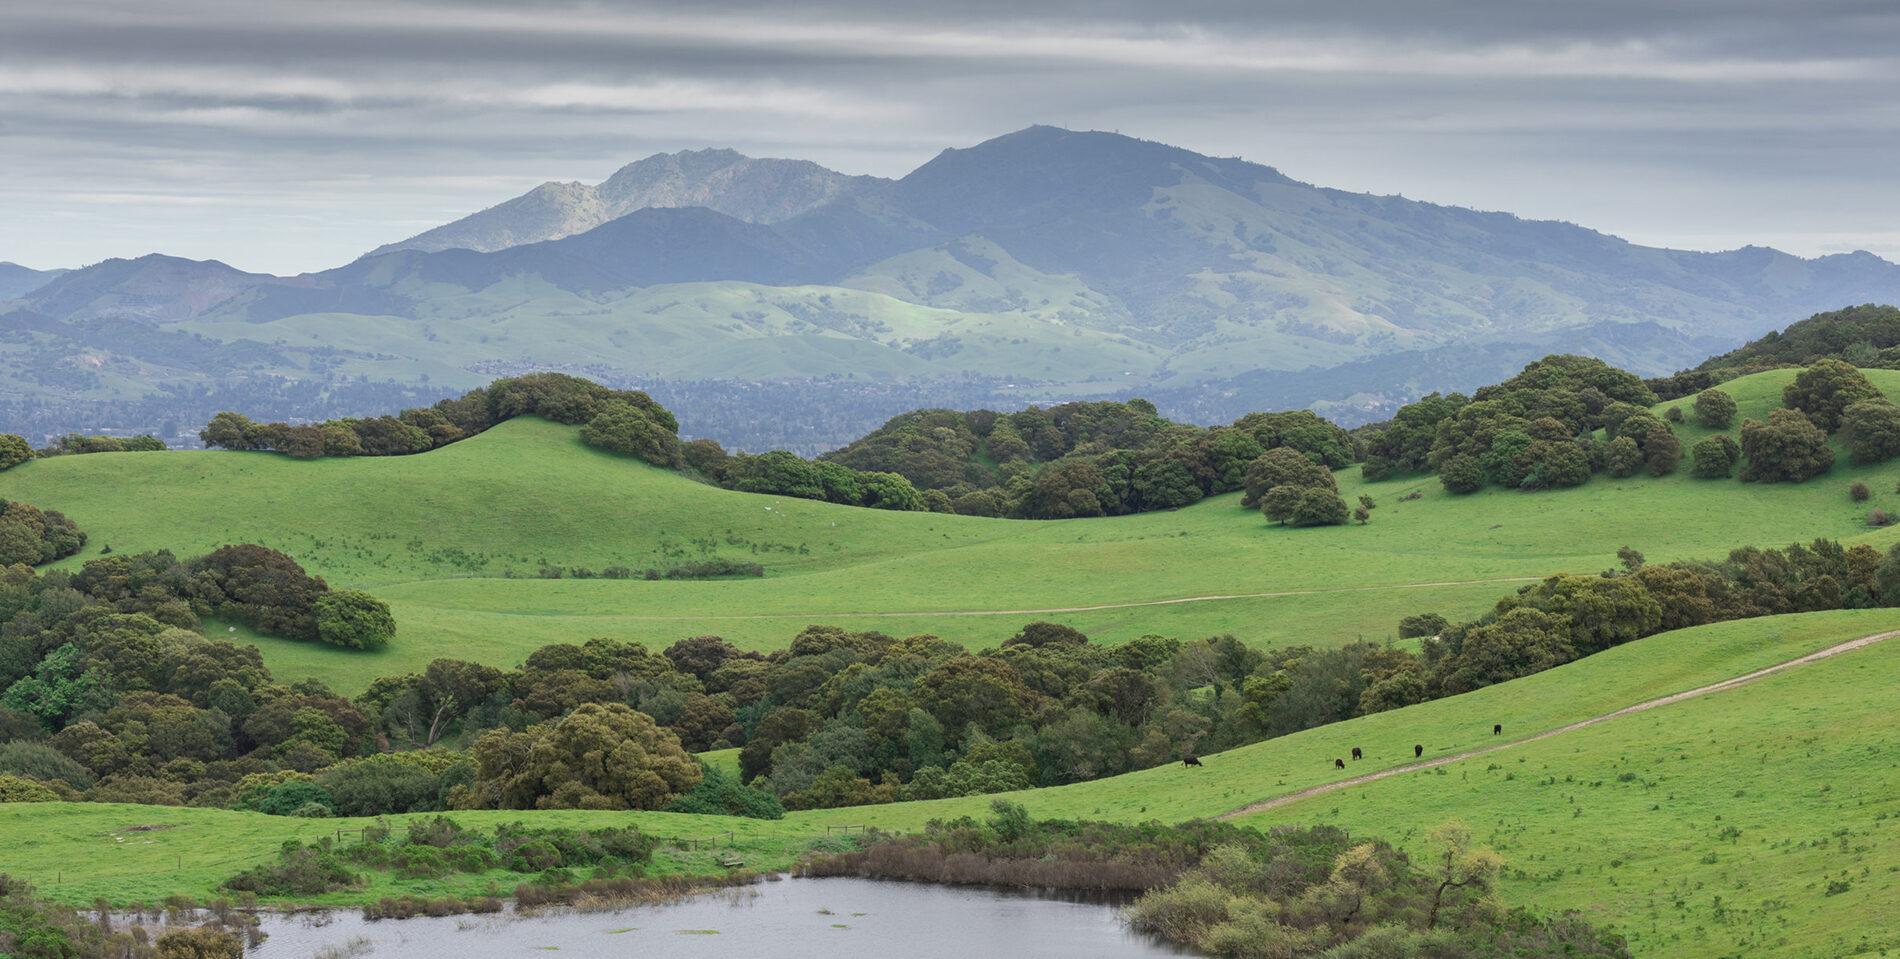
1759 821
1750 821
453 539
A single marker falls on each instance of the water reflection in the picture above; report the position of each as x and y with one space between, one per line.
794 919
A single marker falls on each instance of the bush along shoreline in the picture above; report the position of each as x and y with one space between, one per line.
558 866
1235 891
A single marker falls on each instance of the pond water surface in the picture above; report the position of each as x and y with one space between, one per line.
794 919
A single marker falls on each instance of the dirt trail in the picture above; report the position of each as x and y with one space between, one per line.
1090 609
1816 656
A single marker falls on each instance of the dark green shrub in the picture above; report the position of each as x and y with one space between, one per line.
1715 457
1872 431
1461 474
719 794
300 870
443 832
528 855
554 877
1714 409
421 862
1788 448
286 799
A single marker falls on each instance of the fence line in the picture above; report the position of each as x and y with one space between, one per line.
689 843
366 833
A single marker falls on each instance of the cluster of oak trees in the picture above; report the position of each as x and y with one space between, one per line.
1533 431
32 536
1538 429
112 691
1081 459
623 421
14 449
1866 336
1566 617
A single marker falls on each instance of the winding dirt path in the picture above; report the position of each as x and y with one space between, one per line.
1091 609
1742 680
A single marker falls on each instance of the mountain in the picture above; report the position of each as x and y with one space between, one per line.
17 280
152 288
1042 265
756 191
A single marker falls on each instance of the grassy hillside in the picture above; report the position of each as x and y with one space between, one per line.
1627 819
435 534
1754 822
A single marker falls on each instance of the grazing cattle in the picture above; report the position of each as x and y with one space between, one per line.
1356 754
1191 761
1497 729
1339 763
1418 751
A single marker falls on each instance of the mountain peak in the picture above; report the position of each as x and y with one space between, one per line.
719 179
1014 177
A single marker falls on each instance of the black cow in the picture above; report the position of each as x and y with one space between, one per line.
1339 763
1418 751
1191 761
1356 754
1497 729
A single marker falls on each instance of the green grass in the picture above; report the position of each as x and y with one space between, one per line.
434 534
1801 763
1710 827
723 759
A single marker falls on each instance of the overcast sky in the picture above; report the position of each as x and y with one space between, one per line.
293 136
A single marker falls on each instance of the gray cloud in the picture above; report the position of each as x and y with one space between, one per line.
290 136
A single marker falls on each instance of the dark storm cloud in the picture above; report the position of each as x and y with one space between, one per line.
308 132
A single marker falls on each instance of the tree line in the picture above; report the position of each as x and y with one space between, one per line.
112 692
1077 459
1556 424
1539 430
1101 458
1867 336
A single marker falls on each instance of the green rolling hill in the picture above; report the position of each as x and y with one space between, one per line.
453 539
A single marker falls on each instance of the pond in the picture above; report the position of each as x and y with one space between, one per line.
818 918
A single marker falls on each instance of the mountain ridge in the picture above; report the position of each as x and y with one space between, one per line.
1053 264
17 281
